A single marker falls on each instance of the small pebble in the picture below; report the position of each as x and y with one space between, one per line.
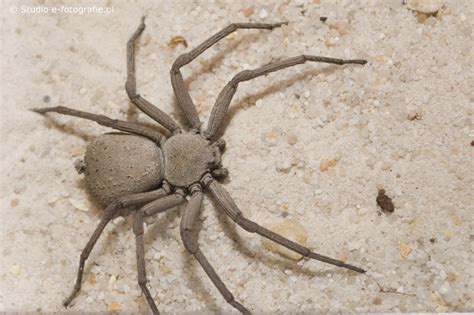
46 99
386 165
445 288
76 150
291 138
326 164
340 27
120 220
414 116
271 137
284 166
92 278
343 254
405 250
78 205
263 13
425 6
15 269
451 276
384 201
83 91
448 234
14 203
377 301
330 42
177 40
438 299
164 267
290 229
248 11
112 281
114 306
146 39
52 199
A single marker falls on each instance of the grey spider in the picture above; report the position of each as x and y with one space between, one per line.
145 169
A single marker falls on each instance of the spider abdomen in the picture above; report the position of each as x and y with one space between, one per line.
187 157
118 164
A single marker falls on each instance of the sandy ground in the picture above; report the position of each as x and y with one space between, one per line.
310 145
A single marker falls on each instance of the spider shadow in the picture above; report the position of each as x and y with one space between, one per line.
67 129
250 100
265 257
216 60
209 65
108 240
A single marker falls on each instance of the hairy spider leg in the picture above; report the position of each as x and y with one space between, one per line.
131 86
179 87
149 209
219 110
188 236
226 202
110 211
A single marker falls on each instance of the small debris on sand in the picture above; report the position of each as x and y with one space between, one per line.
385 202
176 40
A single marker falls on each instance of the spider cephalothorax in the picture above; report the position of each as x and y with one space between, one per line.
188 156
143 169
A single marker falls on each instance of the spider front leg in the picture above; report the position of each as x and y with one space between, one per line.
121 125
190 215
225 96
110 211
179 87
224 199
149 209
131 86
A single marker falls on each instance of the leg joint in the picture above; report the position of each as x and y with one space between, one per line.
206 180
138 223
179 62
131 89
110 210
82 258
131 43
242 76
232 27
189 242
246 224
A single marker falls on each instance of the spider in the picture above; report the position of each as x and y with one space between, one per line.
145 170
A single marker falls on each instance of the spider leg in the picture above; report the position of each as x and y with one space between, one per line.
225 96
121 125
190 214
128 201
180 89
224 199
151 208
131 86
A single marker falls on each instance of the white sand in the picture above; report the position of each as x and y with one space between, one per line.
282 126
